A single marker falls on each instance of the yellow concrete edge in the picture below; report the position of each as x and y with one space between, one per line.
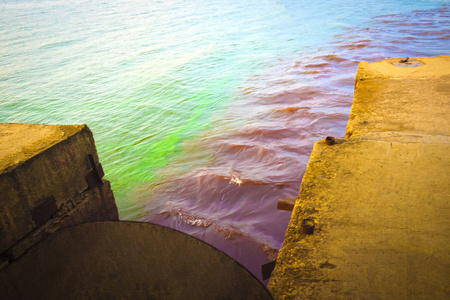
20 142
284 281
298 274
403 137
415 67
433 70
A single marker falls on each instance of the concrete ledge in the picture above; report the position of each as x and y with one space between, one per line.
49 178
20 142
380 198
377 235
415 68
401 99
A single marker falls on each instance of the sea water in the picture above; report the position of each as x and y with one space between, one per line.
204 112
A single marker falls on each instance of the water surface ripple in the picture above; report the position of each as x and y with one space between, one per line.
204 113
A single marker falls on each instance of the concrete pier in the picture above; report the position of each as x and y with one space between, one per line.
371 218
50 178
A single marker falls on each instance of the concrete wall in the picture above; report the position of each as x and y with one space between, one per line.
50 177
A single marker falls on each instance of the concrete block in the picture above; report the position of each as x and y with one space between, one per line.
379 199
42 181
390 98
381 214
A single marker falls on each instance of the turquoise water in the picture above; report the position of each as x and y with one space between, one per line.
187 98
147 75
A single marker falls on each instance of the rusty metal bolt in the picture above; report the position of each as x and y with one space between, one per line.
330 140
308 226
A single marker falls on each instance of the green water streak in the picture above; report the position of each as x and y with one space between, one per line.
132 158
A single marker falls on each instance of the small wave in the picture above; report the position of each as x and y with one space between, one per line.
241 152
291 96
229 232
198 179
235 179
300 111
266 133
317 65
271 252
333 58
58 44
355 45
247 90
289 110
233 233
187 218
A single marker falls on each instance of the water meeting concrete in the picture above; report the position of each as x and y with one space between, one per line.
371 218
52 245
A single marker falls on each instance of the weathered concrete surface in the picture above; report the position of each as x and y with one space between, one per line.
380 199
23 141
43 184
126 260
401 99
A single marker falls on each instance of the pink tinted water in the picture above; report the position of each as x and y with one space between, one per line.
258 150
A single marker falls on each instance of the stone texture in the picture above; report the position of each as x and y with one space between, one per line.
380 198
43 185
412 100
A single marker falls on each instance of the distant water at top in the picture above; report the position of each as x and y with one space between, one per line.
204 112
